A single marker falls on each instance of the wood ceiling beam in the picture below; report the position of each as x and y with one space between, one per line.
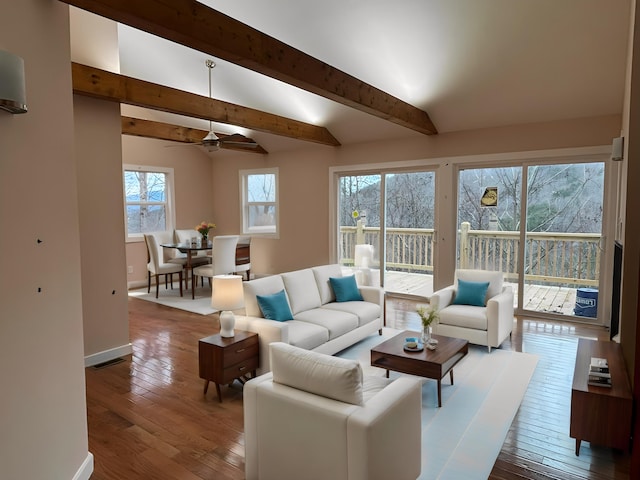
96 83
176 133
197 26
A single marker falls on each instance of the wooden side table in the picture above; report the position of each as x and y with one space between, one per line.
601 415
223 360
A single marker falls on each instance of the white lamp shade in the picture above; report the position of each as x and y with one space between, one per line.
227 292
13 96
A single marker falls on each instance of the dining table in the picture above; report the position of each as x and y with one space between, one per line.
188 248
243 254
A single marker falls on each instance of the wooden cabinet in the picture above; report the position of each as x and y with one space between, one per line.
222 359
601 415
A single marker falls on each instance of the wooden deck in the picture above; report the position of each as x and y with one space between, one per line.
539 298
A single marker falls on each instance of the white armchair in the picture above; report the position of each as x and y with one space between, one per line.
489 324
315 416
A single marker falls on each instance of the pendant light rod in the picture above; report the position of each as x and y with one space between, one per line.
210 64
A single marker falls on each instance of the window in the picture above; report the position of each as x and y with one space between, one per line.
259 191
148 193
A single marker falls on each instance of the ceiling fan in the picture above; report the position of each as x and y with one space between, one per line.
211 142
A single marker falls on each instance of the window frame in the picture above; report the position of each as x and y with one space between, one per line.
169 203
245 203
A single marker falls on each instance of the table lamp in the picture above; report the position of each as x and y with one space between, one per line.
227 294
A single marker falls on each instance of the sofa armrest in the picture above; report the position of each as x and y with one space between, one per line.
372 294
384 436
500 316
442 298
268 331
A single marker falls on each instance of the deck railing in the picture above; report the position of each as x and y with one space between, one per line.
553 258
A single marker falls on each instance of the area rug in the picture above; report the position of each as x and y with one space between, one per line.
462 439
171 298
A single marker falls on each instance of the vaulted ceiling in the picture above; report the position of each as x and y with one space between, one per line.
366 71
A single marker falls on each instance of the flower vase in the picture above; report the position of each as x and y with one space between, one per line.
426 334
204 240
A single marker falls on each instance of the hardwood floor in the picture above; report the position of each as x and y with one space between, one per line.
148 417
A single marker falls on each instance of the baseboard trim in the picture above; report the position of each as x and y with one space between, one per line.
86 469
107 355
137 284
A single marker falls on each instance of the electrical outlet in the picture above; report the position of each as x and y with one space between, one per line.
130 269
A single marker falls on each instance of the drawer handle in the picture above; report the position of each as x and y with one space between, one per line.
241 350
242 368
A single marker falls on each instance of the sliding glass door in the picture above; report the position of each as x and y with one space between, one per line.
539 224
359 201
562 253
386 229
409 226
489 220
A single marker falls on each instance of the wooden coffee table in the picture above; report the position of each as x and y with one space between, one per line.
434 364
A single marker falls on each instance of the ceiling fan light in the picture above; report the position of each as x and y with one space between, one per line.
211 147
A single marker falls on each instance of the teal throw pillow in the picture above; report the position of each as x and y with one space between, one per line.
471 293
345 289
275 307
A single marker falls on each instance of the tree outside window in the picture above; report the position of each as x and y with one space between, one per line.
147 195
259 201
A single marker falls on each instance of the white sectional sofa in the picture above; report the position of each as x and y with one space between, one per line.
320 323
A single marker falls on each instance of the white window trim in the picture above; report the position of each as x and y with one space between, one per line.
244 217
171 211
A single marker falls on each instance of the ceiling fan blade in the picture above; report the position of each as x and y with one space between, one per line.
183 144
240 144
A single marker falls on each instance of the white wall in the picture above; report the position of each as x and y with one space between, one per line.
98 151
43 427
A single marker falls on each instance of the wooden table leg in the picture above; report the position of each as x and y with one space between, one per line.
451 375
439 393
206 386
219 394
387 373
188 269
578 446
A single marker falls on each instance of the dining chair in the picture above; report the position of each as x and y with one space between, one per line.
197 258
223 260
246 266
156 264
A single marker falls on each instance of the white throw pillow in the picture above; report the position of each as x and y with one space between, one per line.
317 373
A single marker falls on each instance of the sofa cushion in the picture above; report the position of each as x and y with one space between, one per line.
471 293
317 373
261 286
307 335
345 289
322 274
371 385
302 290
365 311
275 306
464 316
337 322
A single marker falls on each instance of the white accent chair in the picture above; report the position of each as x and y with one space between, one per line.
486 325
223 260
317 417
156 264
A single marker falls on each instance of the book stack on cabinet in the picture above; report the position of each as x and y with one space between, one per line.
599 374
600 415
